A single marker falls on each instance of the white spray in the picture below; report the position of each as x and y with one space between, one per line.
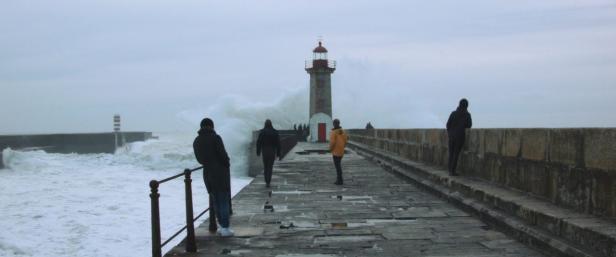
235 117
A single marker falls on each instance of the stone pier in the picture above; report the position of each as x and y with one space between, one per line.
375 213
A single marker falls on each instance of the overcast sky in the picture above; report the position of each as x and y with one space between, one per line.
68 66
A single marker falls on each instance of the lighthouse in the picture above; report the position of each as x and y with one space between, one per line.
320 113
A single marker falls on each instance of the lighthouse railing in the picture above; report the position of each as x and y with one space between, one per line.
309 64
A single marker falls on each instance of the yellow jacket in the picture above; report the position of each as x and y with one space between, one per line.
337 141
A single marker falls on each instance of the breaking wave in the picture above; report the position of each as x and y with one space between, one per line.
235 117
96 205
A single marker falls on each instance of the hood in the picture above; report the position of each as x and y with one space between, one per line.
462 109
268 131
204 131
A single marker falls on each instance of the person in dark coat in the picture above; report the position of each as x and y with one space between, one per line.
458 122
268 144
210 152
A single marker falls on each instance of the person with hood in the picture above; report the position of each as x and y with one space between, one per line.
210 152
337 142
458 122
268 143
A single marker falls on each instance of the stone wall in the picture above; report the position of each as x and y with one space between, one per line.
574 168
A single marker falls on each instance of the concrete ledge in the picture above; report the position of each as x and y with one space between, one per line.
535 222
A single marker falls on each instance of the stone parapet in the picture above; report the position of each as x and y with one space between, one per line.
573 168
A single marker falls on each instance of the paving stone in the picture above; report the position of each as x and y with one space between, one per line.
373 214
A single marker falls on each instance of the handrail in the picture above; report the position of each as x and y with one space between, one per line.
182 229
191 245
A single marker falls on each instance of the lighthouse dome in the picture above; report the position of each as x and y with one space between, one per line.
320 49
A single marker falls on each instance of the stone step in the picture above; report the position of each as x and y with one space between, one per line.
552 229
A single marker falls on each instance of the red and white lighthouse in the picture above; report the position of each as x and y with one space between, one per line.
320 70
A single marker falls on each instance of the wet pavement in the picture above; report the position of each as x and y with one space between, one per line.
373 214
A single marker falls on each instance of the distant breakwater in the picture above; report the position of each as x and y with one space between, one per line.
81 143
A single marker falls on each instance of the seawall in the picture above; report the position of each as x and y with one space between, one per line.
72 143
573 168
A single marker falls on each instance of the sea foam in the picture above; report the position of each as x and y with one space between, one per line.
96 205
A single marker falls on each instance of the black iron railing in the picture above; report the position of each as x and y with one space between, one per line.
191 245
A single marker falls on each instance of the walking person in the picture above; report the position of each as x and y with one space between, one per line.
210 152
458 122
337 142
268 144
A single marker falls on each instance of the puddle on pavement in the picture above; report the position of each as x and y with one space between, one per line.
339 225
239 252
281 208
267 207
319 240
298 224
287 226
327 190
353 198
277 208
376 222
294 192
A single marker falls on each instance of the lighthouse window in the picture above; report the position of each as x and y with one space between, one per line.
320 56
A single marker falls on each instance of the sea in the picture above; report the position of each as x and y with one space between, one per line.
98 205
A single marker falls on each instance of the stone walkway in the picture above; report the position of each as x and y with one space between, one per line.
374 214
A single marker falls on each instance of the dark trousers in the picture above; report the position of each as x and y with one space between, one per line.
337 161
455 147
268 165
221 207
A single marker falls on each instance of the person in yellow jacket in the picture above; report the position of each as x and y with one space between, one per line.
337 142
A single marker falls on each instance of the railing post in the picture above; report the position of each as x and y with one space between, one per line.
191 245
154 195
213 227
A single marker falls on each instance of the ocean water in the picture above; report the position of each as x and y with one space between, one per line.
96 204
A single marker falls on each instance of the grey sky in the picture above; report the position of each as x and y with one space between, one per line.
68 66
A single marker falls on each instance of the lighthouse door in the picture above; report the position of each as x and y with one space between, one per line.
321 132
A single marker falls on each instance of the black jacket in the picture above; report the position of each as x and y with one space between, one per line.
459 120
268 140
210 152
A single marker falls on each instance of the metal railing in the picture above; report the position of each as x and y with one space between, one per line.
308 64
191 244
